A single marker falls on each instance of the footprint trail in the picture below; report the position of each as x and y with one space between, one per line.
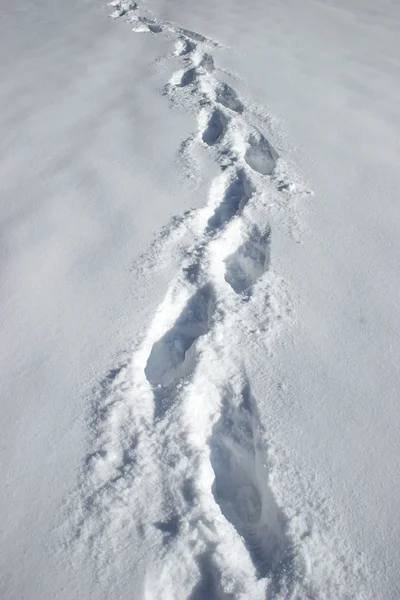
179 458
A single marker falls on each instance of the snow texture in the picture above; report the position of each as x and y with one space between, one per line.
179 422
227 453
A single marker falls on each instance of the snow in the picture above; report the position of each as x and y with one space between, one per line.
200 333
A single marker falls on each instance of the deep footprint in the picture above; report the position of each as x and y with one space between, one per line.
241 487
172 357
260 155
227 96
235 198
249 262
215 128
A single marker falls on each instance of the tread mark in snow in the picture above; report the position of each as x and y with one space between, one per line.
227 96
249 262
260 155
216 127
235 198
171 356
241 486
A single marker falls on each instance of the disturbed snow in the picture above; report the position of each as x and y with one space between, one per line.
179 459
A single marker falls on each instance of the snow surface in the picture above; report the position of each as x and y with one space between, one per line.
211 412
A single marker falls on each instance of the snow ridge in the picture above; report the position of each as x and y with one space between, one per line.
179 458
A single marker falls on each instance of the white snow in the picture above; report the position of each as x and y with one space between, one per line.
211 412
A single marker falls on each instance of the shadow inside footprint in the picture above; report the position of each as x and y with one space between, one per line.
188 78
260 155
235 198
155 28
173 356
216 127
227 96
250 260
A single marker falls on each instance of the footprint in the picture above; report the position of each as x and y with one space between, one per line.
249 262
215 128
227 96
260 155
241 486
172 357
235 198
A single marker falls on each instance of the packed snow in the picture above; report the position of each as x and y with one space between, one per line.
200 300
